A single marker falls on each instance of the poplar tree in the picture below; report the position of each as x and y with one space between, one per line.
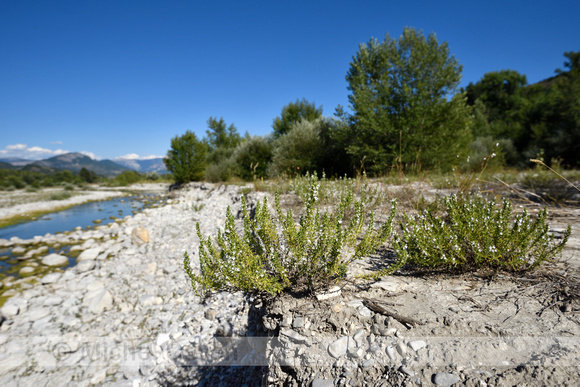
406 109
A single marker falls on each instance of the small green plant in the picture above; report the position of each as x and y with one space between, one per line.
197 207
276 254
476 233
61 195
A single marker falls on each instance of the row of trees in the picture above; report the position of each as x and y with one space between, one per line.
406 111
11 179
531 121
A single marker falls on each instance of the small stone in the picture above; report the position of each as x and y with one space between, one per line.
357 353
26 270
50 278
162 338
368 363
401 349
336 308
407 371
89 255
98 301
9 310
140 236
359 336
99 377
286 320
18 250
85 266
293 335
38 313
445 379
338 348
417 345
364 311
390 286
330 293
318 382
13 361
210 314
298 322
55 260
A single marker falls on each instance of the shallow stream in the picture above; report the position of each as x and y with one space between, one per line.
83 216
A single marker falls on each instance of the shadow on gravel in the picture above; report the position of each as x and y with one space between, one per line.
224 360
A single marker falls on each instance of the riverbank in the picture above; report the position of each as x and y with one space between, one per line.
126 315
21 206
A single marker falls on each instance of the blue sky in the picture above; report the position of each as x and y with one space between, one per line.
114 78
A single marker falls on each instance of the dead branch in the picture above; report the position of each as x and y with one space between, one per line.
375 307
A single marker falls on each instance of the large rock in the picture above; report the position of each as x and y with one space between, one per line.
55 260
140 235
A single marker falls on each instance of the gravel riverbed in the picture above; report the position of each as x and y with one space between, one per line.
126 315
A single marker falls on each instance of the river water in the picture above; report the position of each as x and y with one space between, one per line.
82 215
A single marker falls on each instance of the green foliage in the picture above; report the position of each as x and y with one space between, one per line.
19 179
556 115
499 92
186 159
221 140
405 107
475 233
253 157
298 151
62 195
222 170
311 253
293 113
88 176
126 178
541 119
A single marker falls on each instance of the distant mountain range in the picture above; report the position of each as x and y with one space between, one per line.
143 165
76 161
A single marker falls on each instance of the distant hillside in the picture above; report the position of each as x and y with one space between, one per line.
15 161
38 169
76 161
5 165
144 166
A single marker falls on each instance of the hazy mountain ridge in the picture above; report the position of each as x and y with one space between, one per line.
75 161
144 165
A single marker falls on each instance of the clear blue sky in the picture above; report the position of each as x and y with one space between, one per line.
112 78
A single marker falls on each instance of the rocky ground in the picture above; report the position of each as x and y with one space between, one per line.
126 315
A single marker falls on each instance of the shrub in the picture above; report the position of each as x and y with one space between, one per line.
475 233
253 158
62 195
298 150
273 255
223 170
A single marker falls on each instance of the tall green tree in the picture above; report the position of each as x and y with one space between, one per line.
293 113
405 104
186 159
221 139
554 116
88 176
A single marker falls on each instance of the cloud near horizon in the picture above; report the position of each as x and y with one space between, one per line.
23 151
135 156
